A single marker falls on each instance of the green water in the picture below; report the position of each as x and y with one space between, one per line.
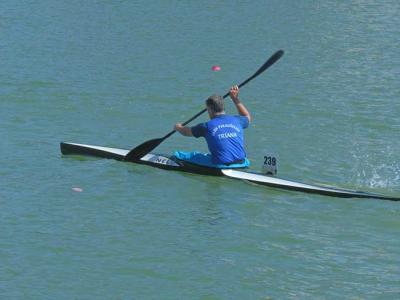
117 73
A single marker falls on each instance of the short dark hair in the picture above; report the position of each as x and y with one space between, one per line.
215 103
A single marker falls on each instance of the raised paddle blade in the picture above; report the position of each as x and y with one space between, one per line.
277 55
141 150
273 59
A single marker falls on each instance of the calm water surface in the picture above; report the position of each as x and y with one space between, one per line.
116 73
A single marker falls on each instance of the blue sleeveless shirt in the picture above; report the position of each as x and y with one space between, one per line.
224 136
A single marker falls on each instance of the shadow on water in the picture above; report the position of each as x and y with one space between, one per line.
207 194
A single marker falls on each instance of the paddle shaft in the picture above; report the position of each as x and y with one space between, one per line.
270 61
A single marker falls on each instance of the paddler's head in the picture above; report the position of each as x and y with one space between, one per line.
215 106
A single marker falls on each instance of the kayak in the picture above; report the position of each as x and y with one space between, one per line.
174 164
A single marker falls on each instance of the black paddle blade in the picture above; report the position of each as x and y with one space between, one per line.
273 59
141 150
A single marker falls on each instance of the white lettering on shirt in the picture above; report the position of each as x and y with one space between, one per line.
224 126
227 135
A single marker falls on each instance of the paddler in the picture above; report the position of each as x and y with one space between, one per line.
223 133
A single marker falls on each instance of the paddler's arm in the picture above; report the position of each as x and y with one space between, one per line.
184 130
242 110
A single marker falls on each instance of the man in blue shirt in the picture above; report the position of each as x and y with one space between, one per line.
223 133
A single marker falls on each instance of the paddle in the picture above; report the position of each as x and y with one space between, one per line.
146 147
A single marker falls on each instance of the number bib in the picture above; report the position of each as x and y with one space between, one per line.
270 165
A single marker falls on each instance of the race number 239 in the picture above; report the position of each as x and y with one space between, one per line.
270 165
269 161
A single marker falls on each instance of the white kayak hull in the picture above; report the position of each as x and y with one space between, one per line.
171 163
